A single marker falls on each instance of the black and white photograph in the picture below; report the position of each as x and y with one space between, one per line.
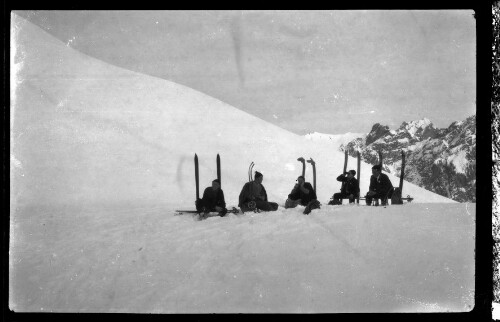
242 161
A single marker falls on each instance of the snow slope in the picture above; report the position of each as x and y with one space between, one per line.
335 140
101 157
85 131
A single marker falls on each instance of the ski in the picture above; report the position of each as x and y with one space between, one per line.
218 170
345 169
251 204
380 159
402 175
196 176
358 173
250 168
202 215
301 159
408 197
313 163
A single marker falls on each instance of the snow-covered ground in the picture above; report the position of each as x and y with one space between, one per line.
101 157
335 140
416 257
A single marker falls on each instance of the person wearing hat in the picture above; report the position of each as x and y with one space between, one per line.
303 194
380 187
349 189
213 199
255 191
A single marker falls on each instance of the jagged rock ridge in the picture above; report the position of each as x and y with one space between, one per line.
439 160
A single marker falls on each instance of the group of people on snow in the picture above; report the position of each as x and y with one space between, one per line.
253 195
380 188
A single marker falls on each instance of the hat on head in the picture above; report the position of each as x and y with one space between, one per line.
216 180
353 172
257 174
377 167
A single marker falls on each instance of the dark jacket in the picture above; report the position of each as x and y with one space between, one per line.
212 198
380 185
349 186
248 194
305 198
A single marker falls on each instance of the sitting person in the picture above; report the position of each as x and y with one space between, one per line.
253 195
349 189
380 187
213 200
303 194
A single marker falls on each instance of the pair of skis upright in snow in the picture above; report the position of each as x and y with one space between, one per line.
200 214
381 163
313 163
251 205
346 157
357 172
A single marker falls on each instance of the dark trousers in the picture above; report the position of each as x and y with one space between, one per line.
201 207
261 205
266 205
382 196
337 198
313 204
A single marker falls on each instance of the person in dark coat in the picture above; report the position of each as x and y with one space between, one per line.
349 189
303 194
380 187
255 192
213 200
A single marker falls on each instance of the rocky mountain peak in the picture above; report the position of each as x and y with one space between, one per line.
377 132
440 160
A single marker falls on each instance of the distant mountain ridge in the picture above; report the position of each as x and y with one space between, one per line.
439 160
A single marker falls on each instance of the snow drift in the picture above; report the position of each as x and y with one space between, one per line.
101 157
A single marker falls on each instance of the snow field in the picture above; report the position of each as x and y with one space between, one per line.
415 257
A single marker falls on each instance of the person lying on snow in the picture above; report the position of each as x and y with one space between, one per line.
380 187
213 200
349 189
254 195
303 194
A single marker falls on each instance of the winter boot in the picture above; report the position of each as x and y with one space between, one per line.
223 212
289 203
314 204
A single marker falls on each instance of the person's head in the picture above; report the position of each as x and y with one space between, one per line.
351 173
216 184
301 180
258 177
376 169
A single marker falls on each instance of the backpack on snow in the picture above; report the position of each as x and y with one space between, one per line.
396 197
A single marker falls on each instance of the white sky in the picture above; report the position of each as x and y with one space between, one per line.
305 71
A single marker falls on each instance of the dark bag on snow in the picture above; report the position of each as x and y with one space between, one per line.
396 197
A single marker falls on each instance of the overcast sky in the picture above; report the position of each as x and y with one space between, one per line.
305 71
